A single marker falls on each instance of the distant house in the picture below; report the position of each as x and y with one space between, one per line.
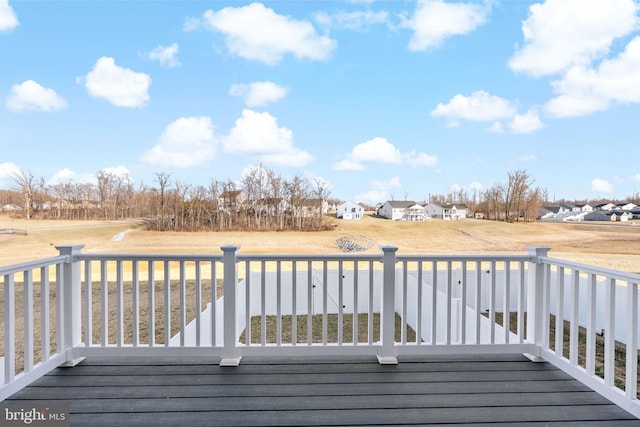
232 199
349 210
585 208
599 215
271 205
562 209
546 214
402 210
569 208
604 207
625 206
11 208
622 216
447 211
308 208
414 212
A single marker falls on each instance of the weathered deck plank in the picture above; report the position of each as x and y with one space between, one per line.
429 391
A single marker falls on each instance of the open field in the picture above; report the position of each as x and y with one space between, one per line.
607 245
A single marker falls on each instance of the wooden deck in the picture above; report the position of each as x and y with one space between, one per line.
463 390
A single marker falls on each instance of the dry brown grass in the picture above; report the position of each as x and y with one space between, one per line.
606 245
302 336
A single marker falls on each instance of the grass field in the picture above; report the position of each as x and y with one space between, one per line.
607 245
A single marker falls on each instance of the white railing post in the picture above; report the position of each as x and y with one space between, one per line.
71 330
536 299
387 352
230 354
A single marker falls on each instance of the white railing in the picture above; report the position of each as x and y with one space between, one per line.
229 305
599 309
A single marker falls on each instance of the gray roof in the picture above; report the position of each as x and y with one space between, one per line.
400 204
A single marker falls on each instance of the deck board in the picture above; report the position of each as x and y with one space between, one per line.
461 390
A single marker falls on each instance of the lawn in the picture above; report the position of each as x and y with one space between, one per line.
606 245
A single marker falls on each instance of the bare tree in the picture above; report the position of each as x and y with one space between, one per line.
255 185
275 193
110 188
533 203
320 193
24 181
162 178
297 192
494 200
518 185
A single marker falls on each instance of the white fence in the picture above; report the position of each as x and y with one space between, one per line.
77 305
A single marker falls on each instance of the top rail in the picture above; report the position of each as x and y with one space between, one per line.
148 257
468 258
590 269
32 265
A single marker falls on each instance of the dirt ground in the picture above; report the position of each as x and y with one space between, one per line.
608 245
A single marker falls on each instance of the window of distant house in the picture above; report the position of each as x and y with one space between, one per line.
353 209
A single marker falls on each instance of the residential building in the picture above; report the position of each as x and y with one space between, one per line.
349 210
402 210
447 211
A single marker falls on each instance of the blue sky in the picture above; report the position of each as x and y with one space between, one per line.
379 99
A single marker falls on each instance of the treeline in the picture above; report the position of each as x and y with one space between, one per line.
263 200
516 199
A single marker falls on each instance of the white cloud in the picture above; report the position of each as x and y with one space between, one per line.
526 123
186 142
583 91
67 175
435 20
348 165
379 150
192 24
8 18
294 158
31 96
166 55
480 106
527 158
259 94
62 176
419 160
636 177
258 33
380 191
358 20
476 186
8 171
119 171
120 86
601 186
259 134
496 127
560 34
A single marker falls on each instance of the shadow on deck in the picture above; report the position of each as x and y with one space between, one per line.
462 390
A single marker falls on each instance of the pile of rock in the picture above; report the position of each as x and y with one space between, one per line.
353 243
